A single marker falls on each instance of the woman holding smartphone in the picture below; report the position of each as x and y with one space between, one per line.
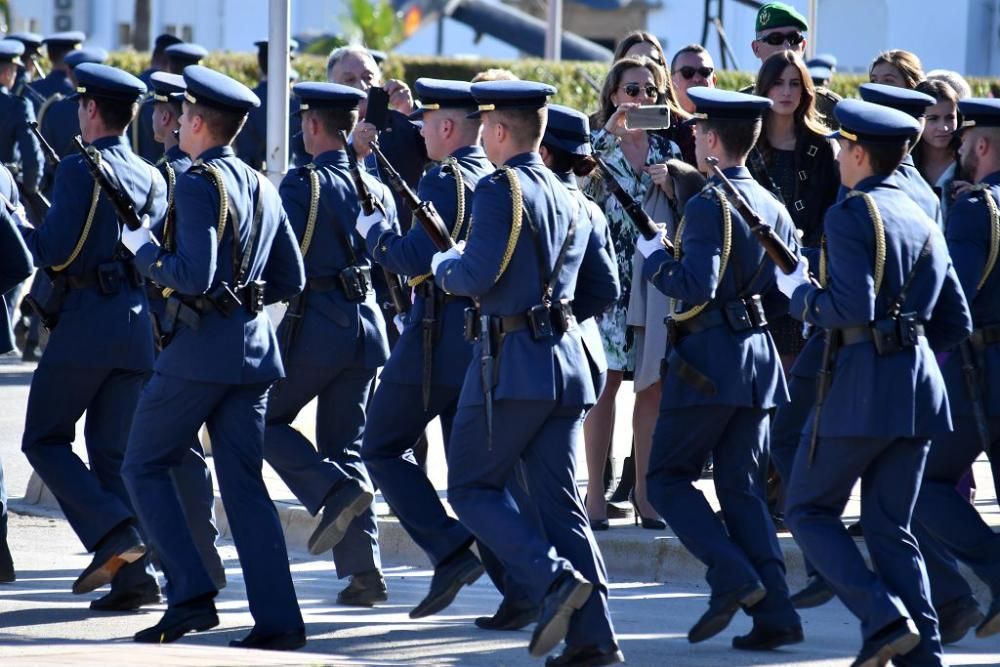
635 341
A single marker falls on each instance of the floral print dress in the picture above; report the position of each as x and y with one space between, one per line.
619 343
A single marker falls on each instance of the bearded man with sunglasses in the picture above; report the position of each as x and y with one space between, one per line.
780 27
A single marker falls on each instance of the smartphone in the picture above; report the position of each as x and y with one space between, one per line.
377 112
648 117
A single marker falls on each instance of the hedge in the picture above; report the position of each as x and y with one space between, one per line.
573 89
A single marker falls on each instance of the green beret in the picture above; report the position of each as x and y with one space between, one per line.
780 15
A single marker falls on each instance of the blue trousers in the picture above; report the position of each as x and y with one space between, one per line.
169 414
746 549
890 470
946 524
93 500
544 437
312 472
396 419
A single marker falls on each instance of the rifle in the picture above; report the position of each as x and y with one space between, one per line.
780 254
971 375
399 301
37 63
51 157
824 378
632 208
103 176
423 211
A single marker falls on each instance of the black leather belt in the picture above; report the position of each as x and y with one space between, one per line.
739 315
505 324
863 334
983 336
108 277
330 283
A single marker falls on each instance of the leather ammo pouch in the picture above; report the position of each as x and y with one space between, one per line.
227 301
355 281
546 319
742 314
47 301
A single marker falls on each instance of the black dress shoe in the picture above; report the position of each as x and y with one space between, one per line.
569 592
816 592
957 617
456 571
599 524
127 600
592 655
991 625
365 589
282 641
855 530
339 510
508 617
193 616
898 638
721 610
119 548
7 574
768 639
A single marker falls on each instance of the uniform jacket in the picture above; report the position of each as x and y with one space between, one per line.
744 367
140 132
333 330
554 369
60 124
55 82
903 394
908 178
969 237
410 255
177 161
251 142
97 330
17 144
242 348
15 260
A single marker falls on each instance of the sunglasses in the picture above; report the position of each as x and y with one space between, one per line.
634 89
688 72
779 38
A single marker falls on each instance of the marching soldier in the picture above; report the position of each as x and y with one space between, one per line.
424 374
526 259
908 177
57 120
334 340
100 346
30 70
15 266
57 82
889 288
19 149
942 516
233 251
723 376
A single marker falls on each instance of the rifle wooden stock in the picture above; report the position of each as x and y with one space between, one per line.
400 303
632 208
51 157
124 206
423 211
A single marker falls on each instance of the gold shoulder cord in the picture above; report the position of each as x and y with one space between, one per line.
991 207
313 209
94 197
216 176
517 203
49 101
727 247
876 218
823 268
171 184
456 230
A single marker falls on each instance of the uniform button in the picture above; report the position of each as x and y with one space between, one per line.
159 263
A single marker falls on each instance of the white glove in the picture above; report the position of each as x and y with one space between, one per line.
788 283
135 239
648 247
366 222
398 321
454 252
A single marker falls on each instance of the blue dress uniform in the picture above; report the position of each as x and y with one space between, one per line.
942 516
15 266
331 350
102 346
57 81
908 177
217 370
538 379
425 371
192 476
58 120
19 149
886 399
723 376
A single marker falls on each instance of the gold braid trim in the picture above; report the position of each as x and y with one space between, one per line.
727 247
307 237
216 176
94 197
168 241
991 207
876 218
517 203
823 268
49 101
456 230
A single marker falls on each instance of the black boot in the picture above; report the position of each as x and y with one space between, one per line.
7 574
